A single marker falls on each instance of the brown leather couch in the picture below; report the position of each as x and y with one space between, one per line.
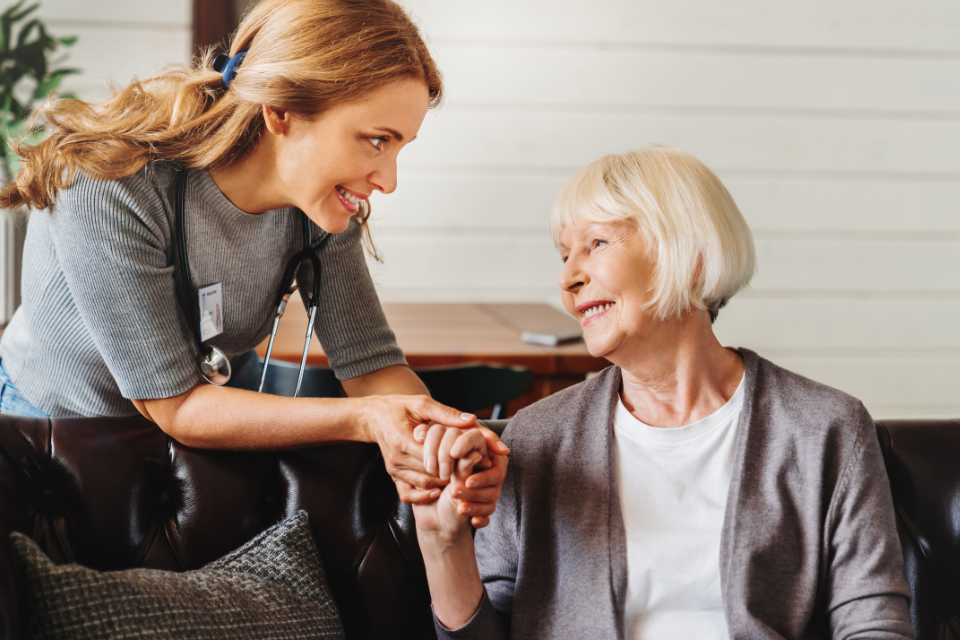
118 493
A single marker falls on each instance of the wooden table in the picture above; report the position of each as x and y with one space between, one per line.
444 334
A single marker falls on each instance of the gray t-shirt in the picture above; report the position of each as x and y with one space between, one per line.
100 322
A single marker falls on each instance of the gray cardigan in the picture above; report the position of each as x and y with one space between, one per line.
809 547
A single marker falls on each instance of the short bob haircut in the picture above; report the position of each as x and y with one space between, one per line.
693 231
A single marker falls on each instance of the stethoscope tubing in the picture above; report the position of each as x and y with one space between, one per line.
212 360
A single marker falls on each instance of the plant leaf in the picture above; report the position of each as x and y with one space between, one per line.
51 82
23 14
25 30
5 24
13 9
27 61
17 110
33 58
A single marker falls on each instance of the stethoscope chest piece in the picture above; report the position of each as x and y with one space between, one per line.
215 367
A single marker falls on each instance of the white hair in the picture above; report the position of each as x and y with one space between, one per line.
694 233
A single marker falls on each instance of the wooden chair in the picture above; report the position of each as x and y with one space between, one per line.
473 387
318 382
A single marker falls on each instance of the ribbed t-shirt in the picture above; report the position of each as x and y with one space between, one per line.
673 497
100 321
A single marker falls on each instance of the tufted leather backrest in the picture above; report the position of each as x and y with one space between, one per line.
923 464
118 493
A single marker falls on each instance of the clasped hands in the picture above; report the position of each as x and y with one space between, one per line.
456 463
465 473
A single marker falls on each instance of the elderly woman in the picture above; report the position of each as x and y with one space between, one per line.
690 490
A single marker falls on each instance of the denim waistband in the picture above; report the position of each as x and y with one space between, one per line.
12 401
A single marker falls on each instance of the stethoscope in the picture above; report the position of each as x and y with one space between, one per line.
214 364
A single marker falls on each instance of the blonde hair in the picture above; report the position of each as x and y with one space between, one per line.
304 56
693 231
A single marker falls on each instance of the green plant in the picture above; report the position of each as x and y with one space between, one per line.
26 77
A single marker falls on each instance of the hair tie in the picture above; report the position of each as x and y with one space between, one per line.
228 66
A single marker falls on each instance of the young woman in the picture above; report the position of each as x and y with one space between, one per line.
261 162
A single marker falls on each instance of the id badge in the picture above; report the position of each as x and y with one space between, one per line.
211 311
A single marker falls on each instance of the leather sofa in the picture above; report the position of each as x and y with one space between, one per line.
118 493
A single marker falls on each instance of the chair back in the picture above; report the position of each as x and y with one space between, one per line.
473 387
318 382
923 463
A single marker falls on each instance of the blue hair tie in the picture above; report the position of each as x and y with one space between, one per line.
228 66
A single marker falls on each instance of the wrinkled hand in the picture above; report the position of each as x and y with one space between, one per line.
478 493
390 422
461 453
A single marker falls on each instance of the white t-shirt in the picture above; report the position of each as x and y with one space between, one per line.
673 494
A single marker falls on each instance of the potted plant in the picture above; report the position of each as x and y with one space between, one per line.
28 73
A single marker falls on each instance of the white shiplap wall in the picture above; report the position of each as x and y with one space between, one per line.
119 39
836 126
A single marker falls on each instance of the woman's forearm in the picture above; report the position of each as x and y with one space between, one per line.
211 417
453 575
386 381
446 538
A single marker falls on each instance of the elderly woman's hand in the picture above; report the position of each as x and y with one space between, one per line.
462 502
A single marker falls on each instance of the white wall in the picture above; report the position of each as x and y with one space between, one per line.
119 39
836 126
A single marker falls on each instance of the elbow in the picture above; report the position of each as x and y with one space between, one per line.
195 434
173 416
181 433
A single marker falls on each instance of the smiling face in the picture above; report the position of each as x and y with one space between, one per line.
606 281
328 165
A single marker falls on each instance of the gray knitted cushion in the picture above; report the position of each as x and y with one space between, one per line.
272 587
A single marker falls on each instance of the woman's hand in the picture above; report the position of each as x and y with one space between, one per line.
390 422
449 516
443 531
